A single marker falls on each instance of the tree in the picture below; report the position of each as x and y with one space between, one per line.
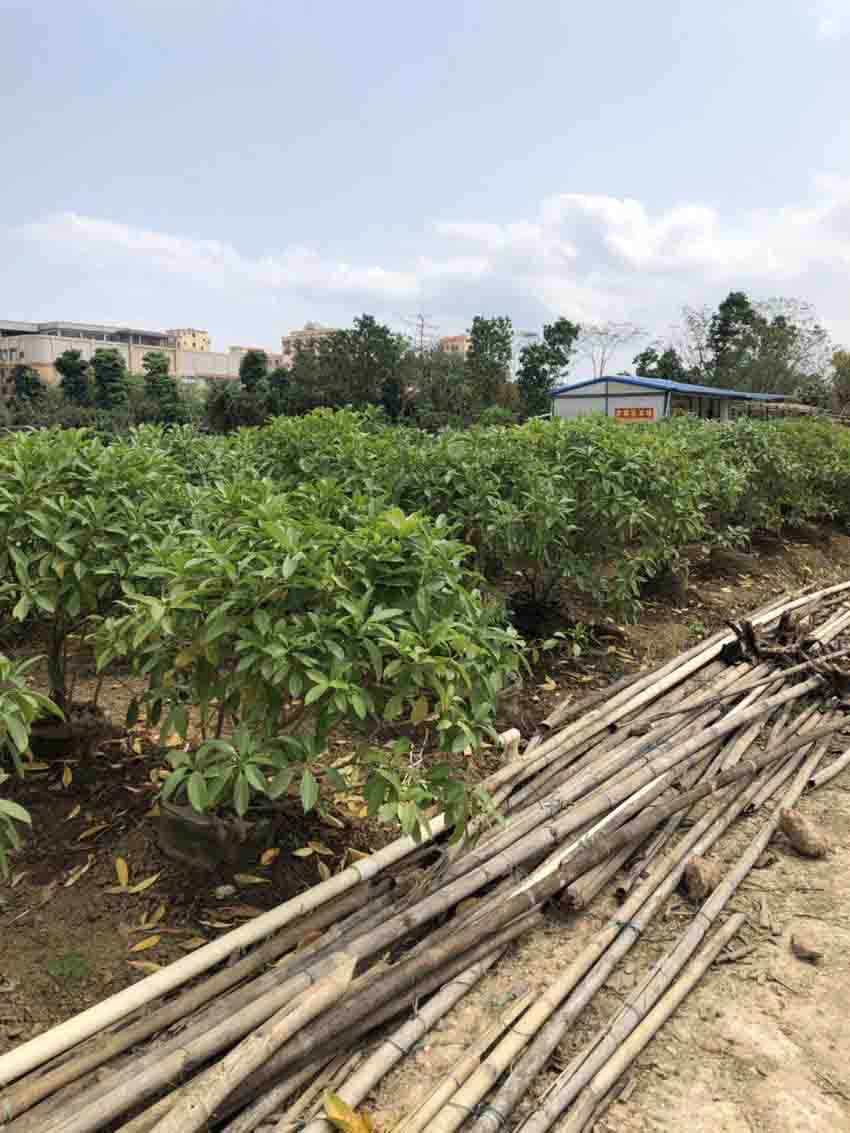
667 364
438 393
600 342
161 387
841 377
360 366
26 383
75 374
488 360
110 379
279 381
252 369
543 363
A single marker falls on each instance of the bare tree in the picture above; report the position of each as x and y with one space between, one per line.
600 342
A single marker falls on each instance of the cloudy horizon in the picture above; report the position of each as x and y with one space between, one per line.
249 239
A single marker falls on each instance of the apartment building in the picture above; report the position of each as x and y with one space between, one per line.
455 344
310 333
188 338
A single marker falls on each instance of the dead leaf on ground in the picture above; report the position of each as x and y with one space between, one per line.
92 831
340 1114
67 776
193 943
304 852
324 872
72 813
141 886
122 872
78 871
270 855
148 942
250 879
148 966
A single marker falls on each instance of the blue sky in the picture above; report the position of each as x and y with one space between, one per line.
246 166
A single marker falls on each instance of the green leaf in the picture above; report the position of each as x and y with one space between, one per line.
309 790
22 608
420 710
315 692
196 792
13 810
241 795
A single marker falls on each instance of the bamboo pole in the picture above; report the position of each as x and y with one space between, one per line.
593 1057
209 1089
30 1090
589 1106
402 1041
269 1101
830 772
578 984
418 1120
293 970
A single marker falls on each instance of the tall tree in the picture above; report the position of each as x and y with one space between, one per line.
841 378
542 364
652 363
279 380
360 366
161 386
26 383
488 360
600 342
733 338
75 375
252 369
110 379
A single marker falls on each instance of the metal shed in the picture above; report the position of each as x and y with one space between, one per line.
629 398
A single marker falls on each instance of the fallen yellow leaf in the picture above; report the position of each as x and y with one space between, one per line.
193 943
344 1117
144 965
356 855
141 886
324 872
153 812
122 872
92 831
67 776
148 942
250 879
78 871
304 852
268 856
321 848
72 813
332 820
157 915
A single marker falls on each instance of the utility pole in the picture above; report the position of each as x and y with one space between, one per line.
421 327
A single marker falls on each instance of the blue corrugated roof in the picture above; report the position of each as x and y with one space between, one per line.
670 387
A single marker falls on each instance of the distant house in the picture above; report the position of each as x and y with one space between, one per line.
628 398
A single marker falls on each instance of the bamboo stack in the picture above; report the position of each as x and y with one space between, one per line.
599 796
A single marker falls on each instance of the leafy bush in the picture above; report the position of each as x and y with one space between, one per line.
74 512
19 707
286 614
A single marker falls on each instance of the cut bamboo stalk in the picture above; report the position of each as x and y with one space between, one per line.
185 1058
589 1106
292 970
402 1041
715 699
28 1091
95 1019
417 1121
327 1080
580 894
593 1057
578 984
268 1102
209 1089
830 772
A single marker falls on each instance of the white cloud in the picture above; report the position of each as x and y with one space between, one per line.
587 256
833 20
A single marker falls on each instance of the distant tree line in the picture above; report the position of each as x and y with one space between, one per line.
773 346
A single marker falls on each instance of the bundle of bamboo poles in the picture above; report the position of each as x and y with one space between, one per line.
599 794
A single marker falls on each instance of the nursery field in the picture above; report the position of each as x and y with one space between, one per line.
234 665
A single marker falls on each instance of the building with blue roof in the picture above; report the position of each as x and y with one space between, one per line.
629 398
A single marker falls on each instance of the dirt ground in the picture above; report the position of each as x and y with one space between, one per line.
760 1046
